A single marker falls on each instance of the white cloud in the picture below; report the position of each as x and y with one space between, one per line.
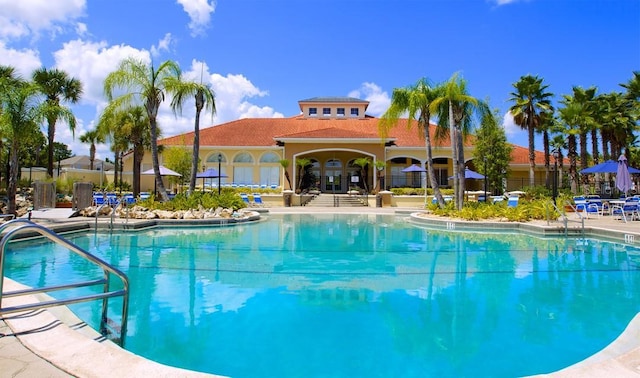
163 45
510 127
504 2
91 62
23 17
199 12
25 61
81 29
379 100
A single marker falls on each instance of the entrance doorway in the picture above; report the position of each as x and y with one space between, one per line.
333 176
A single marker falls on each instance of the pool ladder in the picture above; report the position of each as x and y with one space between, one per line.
566 220
108 328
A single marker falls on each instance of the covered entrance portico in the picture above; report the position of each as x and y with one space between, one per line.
334 171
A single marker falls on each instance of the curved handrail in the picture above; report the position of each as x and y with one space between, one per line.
106 269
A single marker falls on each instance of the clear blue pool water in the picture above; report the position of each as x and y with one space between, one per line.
355 295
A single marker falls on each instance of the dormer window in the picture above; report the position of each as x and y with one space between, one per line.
313 112
340 112
326 112
355 112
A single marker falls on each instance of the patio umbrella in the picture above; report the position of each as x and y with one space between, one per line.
164 171
608 166
623 177
209 173
469 174
415 169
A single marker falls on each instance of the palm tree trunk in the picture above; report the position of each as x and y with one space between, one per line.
461 167
595 153
573 171
138 155
532 155
583 155
50 137
454 152
547 157
430 170
196 142
154 153
13 178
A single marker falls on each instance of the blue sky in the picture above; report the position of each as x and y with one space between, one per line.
262 56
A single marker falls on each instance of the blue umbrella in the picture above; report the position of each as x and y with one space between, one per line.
414 168
608 166
469 174
623 177
209 173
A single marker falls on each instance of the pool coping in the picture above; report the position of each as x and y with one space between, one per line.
70 347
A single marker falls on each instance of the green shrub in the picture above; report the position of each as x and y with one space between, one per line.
227 199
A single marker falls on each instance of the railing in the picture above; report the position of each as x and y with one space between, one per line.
580 214
112 216
106 325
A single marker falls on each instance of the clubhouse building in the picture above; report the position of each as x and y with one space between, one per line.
331 132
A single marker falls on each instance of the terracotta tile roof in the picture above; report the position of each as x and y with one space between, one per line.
264 132
330 133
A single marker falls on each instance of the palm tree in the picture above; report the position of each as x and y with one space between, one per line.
92 137
302 163
143 84
57 87
128 128
19 119
204 98
585 97
571 115
415 101
530 99
558 143
633 87
285 165
379 165
363 163
454 108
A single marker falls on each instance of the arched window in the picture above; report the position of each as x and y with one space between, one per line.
270 169
270 157
243 157
213 158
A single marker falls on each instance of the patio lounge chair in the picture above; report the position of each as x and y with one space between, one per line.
513 201
99 199
245 198
257 199
129 199
113 199
595 206
627 211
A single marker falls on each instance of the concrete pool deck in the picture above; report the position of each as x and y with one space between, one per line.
53 343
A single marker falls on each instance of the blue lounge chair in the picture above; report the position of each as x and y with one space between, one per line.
630 210
113 200
99 199
245 198
257 199
513 201
129 199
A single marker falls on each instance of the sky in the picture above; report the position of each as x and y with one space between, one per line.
262 56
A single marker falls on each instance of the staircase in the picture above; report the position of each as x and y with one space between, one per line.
336 200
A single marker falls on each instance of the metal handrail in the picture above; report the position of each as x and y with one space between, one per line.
112 216
579 213
22 225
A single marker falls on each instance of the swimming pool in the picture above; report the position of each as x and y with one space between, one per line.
355 295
